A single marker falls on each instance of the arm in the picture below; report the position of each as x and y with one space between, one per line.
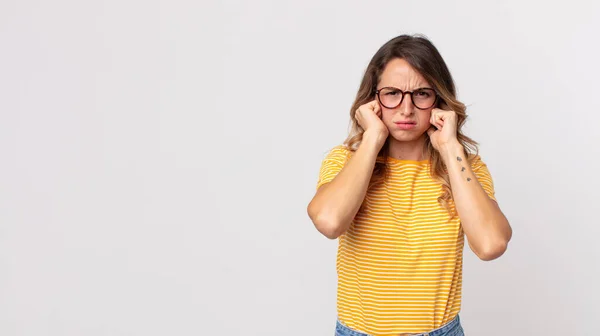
335 204
485 226
487 229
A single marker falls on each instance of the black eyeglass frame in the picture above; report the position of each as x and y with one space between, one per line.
412 99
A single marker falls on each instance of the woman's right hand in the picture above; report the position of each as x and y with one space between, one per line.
368 117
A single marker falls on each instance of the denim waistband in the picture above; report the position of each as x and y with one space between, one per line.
451 328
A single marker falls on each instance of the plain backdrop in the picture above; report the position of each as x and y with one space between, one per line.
157 158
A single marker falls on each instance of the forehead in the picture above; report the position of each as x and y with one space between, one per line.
399 73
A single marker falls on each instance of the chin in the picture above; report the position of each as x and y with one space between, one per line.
404 136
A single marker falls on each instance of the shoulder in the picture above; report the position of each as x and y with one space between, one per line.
476 161
338 153
480 168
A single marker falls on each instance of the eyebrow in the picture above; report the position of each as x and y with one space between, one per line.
419 88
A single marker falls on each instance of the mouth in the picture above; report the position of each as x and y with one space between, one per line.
405 125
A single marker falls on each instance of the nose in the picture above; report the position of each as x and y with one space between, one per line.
406 106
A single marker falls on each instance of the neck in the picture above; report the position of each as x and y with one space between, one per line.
408 150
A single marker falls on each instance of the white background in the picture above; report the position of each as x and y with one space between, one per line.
157 158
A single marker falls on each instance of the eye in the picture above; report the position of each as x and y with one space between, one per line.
391 93
423 93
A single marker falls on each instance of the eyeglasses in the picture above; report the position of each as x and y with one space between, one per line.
391 97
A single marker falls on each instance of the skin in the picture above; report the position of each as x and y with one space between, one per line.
405 144
336 203
486 228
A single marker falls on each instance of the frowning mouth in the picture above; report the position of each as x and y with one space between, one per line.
405 125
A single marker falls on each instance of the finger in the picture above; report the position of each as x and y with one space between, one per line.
445 115
430 131
440 119
357 116
433 118
376 107
378 112
436 122
373 104
439 116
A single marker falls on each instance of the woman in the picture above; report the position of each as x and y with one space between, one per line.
401 194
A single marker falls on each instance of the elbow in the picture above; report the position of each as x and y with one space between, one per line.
325 224
496 244
329 231
492 251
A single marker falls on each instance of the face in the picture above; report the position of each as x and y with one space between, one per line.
405 122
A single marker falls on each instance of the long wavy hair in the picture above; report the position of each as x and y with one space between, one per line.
424 57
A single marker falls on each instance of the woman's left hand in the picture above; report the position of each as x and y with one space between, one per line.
443 130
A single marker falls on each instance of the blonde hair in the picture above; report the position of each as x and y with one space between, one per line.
424 57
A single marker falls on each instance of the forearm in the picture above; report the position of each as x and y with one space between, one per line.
484 224
336 203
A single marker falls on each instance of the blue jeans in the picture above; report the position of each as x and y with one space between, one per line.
452 328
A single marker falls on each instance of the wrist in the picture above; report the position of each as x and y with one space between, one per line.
452 151
374 139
